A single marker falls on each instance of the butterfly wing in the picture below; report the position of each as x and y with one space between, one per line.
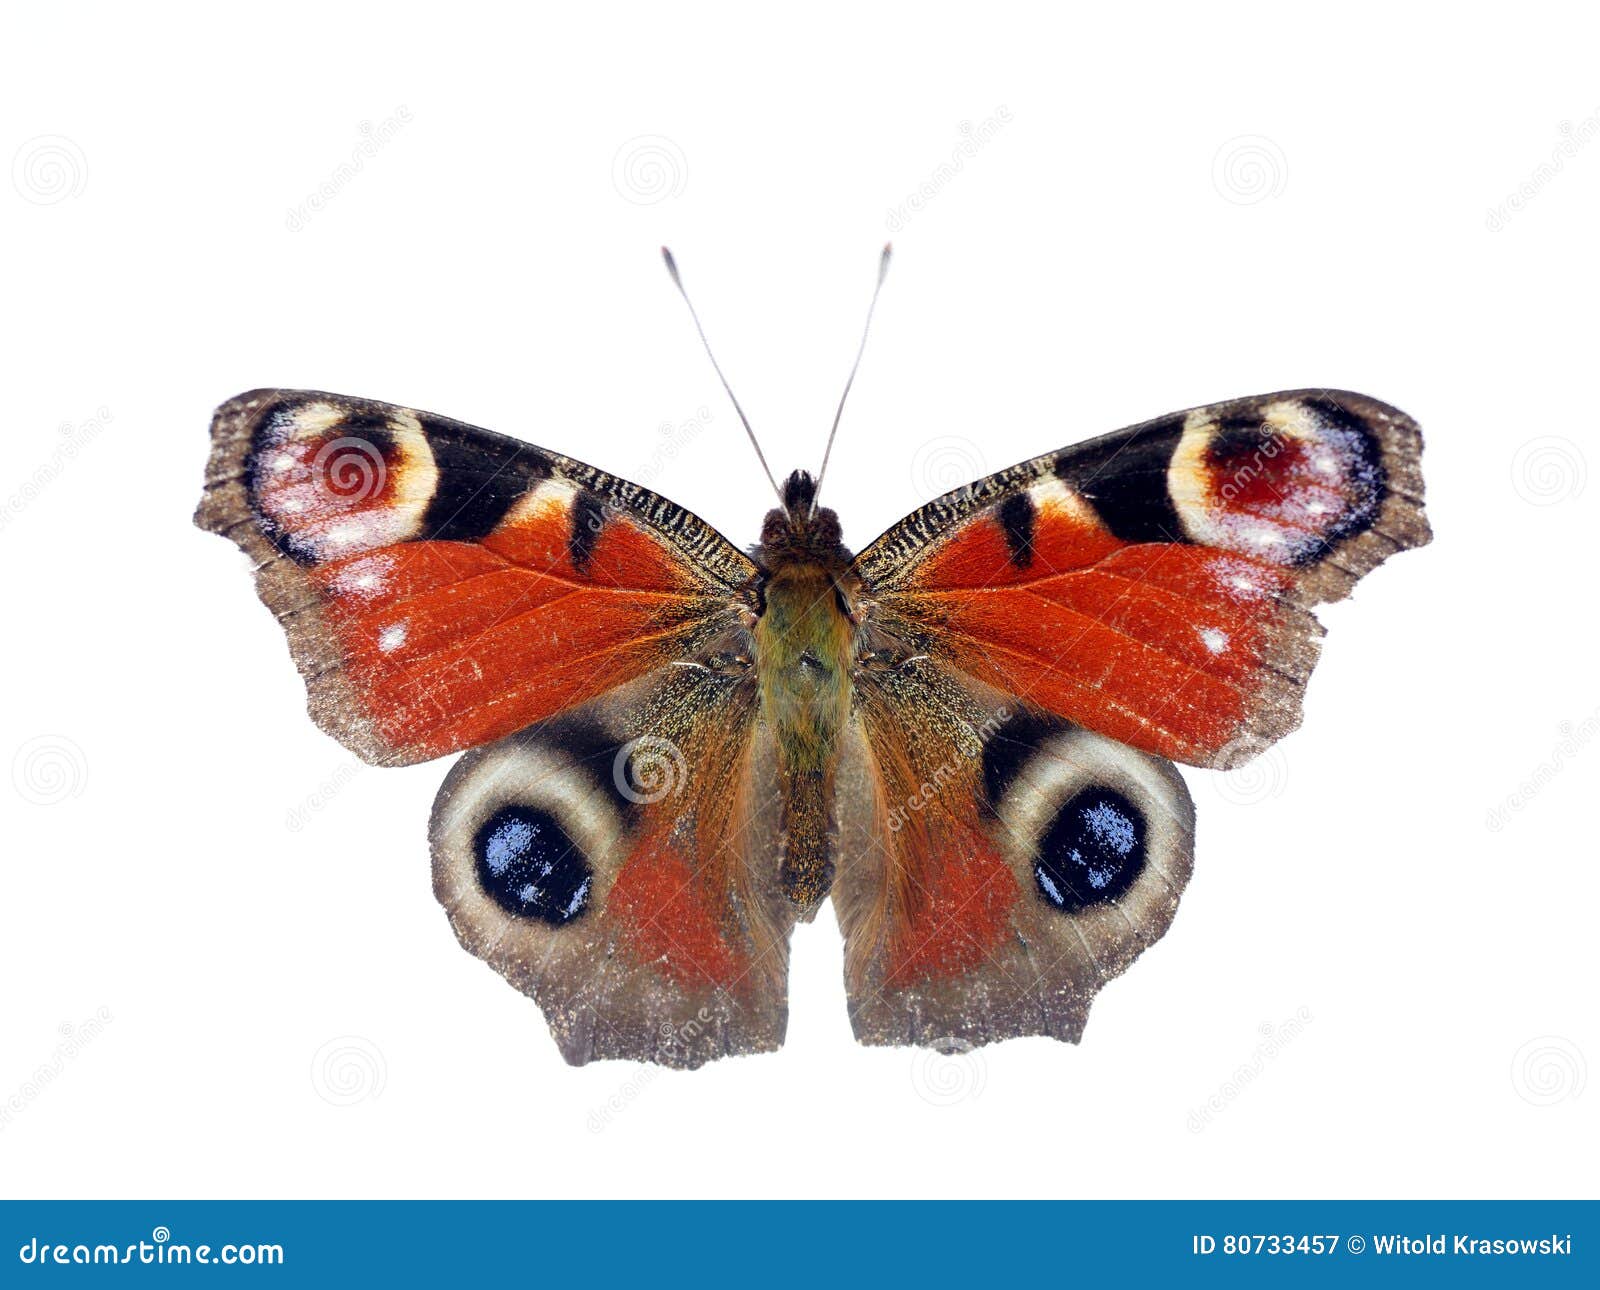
1044 640
618 863
445 588
1155 585
999 864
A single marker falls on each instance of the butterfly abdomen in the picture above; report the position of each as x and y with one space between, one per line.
804 642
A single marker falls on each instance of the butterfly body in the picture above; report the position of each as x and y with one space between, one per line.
962 735
805 644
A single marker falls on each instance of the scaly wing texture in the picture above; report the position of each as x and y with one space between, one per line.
618 863
443 586
1012 835
998 865
1155 585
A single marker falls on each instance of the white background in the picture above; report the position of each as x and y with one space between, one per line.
1175 207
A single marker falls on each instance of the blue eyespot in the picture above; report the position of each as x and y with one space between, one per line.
530 867
1092 852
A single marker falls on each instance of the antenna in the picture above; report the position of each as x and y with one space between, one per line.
672 268
883 272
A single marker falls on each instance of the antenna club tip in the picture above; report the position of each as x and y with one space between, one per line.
883 261
672 265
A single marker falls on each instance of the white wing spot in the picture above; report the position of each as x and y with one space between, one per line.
392 638
346 534
1214 639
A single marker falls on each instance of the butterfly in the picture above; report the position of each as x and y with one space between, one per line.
962 735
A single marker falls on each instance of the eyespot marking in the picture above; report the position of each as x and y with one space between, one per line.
1093 851
530 867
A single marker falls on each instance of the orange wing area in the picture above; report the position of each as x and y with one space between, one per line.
449 644
1172 648
1155 585
672 919
618 862
443 586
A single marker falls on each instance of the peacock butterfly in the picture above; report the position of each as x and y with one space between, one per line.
962 735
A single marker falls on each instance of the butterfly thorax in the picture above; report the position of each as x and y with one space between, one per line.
804 648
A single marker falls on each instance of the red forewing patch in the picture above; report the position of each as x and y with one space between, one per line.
979 556
1162 646
617 553
450 644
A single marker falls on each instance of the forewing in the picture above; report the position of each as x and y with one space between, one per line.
1155 585
443 586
